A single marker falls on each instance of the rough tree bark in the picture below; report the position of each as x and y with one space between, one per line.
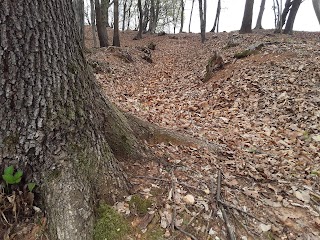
247 17
316 7
152 24
116 37
292 16
216 21
191 16
261 11
101 26
54 118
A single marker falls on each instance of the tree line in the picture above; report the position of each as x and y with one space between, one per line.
158 15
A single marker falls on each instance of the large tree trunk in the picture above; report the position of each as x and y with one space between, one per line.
54 117
316 7
152 25
292 16
116 37
101 25
247 17
261 11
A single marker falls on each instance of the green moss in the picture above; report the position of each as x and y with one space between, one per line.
244 54
73 68
110 225
139 204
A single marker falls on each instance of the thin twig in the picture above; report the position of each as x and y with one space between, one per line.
186 233
224 214
173 185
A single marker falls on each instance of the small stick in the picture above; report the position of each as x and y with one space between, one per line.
224 214
174 210
186 233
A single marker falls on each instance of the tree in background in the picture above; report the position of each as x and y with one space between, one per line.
182 16
105 4
216 21
261 11
292 16
139 35
191 16
316 7
203 16
101 25
79 10
116 37
93 23
247 17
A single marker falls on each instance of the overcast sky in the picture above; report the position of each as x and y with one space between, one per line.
232 13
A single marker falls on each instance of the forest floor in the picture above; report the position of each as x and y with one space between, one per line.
264 112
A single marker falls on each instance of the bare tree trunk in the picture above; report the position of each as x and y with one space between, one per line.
116 37
146 16
247 17
55 119
93 23
182 16
259 20
129 15
292 16
216 21
124 14
152 25
202 21
101 27
139 35
316 7
105 4
191 16
283 16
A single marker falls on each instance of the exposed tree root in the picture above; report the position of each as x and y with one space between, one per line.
155 134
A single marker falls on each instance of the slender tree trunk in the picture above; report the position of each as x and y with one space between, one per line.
152 24
93 23
316 7
216 21
202 21
261 11
55 119
124 14
129 15
101 27
146 16
116 37
292 16
283 16
182 16
191 15
139 35
247 17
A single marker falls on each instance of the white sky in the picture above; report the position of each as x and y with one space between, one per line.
232 13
